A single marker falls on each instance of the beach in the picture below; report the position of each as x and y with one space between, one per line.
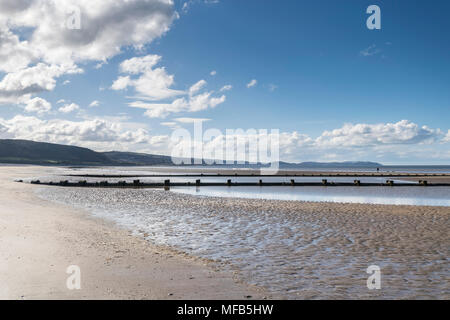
40 239
153 244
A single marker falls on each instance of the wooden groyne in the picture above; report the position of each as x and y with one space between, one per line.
214 175
167 184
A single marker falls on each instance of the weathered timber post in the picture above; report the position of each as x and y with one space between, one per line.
197 183
229 182
292 182
166 185
324 182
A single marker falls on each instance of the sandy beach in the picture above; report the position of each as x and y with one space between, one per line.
277 249
40 239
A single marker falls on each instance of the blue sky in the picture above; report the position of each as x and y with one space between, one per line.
335 89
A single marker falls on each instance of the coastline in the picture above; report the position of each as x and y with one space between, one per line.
410 243
40 239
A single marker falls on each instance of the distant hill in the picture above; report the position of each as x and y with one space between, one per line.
31 152
138 159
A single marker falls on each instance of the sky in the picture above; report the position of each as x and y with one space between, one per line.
131 72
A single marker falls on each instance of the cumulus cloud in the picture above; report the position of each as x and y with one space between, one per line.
154 84
196 87
38 105
94 103
191 104
14 54
98 134
151 83
67 108
357 135
213 73
227 87
106 26
49 48
447 137
252 83
25 82
405 142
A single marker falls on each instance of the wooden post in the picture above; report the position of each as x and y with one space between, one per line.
260 182
292 182
229 182
324 182
357 182
166 185
197 183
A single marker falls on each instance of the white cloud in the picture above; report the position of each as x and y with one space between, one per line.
226 88
38 105
370 51
252 83
67 108
191 120
32 80
192 104
106 26
170 124
197 87
50 49
447 137
213 73
186 5
154 84
364 135
94 103
14 54
99 134
151 84
407 142
121 83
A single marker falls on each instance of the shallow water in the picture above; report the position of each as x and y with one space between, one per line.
296 250
429 196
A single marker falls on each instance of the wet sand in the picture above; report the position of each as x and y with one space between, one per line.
298 250
40 239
